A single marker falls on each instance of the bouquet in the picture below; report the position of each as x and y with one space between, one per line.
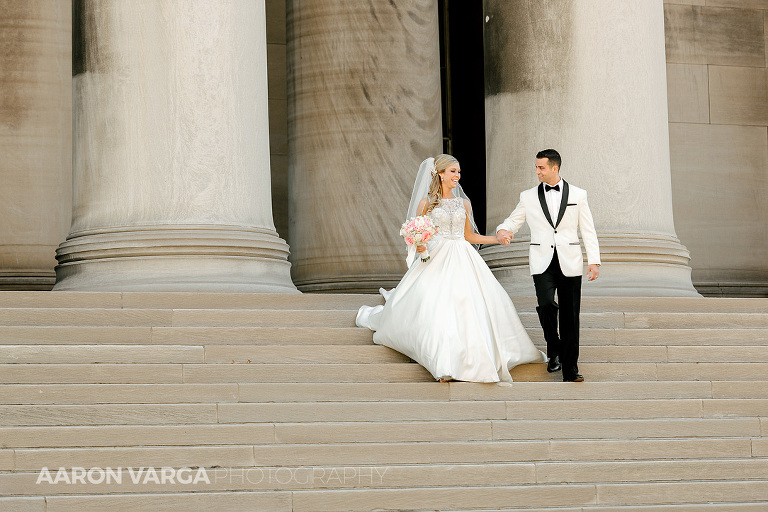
418 231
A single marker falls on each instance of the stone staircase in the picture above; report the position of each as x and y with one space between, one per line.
282 404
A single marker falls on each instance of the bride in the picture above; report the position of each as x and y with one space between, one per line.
449 313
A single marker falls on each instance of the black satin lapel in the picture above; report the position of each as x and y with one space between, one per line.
544 204
563 203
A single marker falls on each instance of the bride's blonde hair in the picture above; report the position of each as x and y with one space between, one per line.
442 162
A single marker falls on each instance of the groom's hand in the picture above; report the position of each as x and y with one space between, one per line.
503 236
593 272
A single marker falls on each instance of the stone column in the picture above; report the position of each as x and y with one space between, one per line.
588 78
35 139
171 150
363 112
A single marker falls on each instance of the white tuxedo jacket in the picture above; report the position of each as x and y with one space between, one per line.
548 233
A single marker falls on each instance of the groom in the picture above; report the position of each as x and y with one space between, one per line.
554 211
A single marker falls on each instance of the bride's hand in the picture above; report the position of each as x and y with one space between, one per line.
504 237
421 248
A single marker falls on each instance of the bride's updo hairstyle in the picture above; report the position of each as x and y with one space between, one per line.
442 162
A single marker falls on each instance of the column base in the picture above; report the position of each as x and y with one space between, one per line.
349 284
175 259
36 280
633 265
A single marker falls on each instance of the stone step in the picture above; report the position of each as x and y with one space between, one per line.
682 337
34 459
427 475
670 354
479 499
39 335
676 390
313 354
185 300
254 318
362 432
608 372
487 410
139 373
178 318
317 354
649 471
188 300
107 414
266 434
427 391
261 335
341 318
107 373
85 394
91 373
48 335
501 451
74 436
609 409
348 354
603 496
372 412
695 320
85 317
331 372
186 501
113 435
673 354
87 354
158 414
367 454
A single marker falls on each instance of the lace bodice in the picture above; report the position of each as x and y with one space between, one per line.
449 216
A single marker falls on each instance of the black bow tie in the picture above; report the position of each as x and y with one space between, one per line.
547 188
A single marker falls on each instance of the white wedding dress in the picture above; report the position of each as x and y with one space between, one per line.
450 314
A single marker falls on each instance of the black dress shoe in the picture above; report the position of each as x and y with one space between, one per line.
574 378
554 364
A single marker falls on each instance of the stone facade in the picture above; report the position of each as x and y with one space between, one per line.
35 139
717 84
718 126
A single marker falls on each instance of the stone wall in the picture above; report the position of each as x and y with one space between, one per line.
35 139
718 124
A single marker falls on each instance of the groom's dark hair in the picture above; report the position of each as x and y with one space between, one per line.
552 155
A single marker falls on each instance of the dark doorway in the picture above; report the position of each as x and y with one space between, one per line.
463 92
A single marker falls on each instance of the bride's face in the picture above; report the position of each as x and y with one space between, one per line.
451 176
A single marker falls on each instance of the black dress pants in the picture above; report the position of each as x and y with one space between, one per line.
568 305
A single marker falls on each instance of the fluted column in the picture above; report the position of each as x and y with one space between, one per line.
35 139
363 112
171 150
588 78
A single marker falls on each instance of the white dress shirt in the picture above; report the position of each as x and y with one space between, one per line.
553 198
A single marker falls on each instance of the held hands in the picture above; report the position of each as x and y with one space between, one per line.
504 237
592 272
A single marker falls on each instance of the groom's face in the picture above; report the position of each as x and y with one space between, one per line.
546 172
